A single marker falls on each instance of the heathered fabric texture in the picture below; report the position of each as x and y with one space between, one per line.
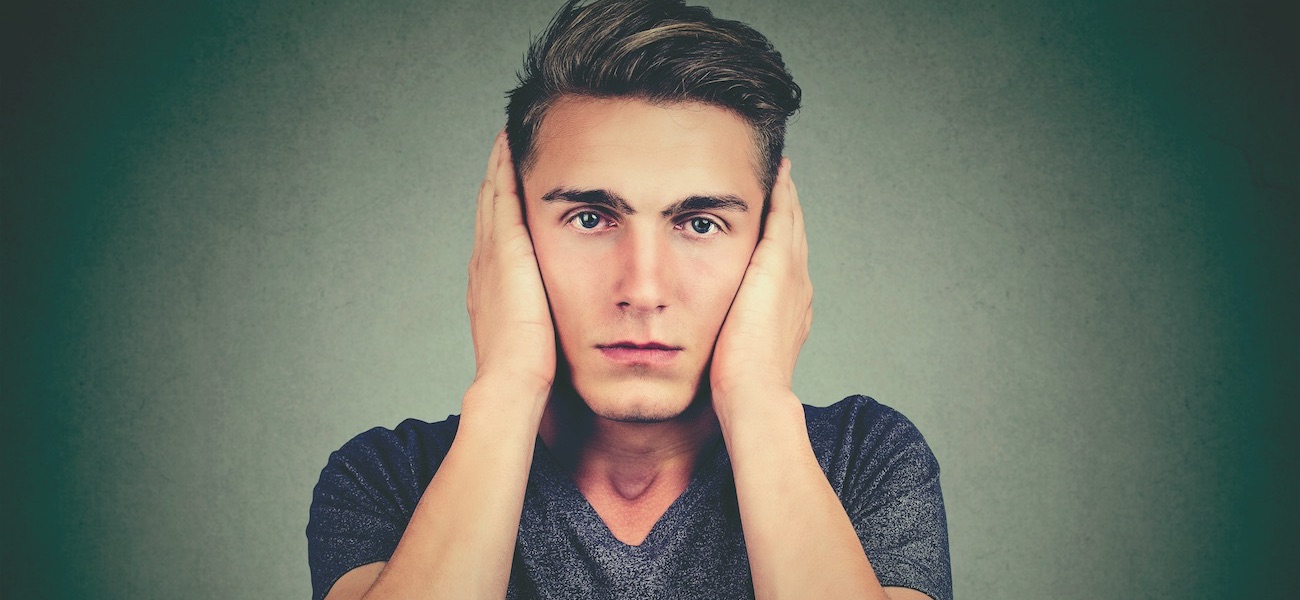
875 459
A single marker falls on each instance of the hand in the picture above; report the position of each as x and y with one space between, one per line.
769 320
510 319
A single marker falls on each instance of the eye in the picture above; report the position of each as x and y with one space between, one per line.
589 221
702 225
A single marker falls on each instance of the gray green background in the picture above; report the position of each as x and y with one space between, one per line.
1059 236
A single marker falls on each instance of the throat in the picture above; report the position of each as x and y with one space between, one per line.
633 490
630 506
632 487
630 473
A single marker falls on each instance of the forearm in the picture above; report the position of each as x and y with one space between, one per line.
801 543
460 540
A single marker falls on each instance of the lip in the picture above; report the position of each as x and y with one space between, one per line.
633 353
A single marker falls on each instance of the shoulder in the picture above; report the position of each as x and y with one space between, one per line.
882 469
859 439
410 437
393 464
860 420
367 493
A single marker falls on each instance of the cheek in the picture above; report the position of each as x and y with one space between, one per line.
572 279
710 282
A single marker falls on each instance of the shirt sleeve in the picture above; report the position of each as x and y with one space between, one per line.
365 497
888 481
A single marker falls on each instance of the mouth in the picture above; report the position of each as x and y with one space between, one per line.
632 353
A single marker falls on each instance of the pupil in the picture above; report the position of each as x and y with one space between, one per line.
701 225
587 220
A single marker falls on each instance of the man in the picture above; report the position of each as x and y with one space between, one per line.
638 296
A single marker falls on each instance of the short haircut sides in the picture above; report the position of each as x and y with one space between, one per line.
657 51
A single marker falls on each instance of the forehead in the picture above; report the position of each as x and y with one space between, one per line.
643 150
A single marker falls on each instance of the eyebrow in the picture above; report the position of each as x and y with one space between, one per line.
614 202
604 198
728 202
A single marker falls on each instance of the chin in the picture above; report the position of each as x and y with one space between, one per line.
638 401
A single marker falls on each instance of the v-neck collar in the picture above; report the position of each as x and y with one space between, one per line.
707 476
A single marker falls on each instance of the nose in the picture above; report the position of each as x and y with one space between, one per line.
645 280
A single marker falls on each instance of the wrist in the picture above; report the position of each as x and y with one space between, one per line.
758 408
514 384
501 402
746 389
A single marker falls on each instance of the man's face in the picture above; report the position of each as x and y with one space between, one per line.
643 219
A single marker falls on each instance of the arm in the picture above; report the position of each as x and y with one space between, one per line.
800 541
460 540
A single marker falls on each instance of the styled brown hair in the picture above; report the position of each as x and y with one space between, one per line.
659 51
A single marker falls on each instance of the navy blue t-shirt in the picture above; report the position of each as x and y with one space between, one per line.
875 459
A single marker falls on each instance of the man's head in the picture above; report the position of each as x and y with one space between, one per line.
661 52
647 136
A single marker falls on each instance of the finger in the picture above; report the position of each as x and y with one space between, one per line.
483 217
801 251
800 234
481 214
507 211
494 157
780 221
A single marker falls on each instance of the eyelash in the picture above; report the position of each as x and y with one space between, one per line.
573 219
715 229
716 225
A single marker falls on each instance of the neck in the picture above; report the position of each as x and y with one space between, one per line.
627 461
